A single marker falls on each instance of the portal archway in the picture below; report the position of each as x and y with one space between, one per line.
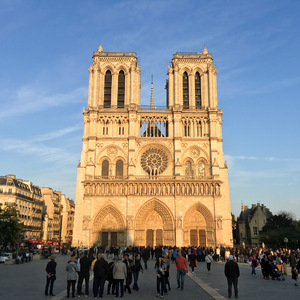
109 227
198 226
154 224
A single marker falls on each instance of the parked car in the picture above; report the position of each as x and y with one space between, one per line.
4 257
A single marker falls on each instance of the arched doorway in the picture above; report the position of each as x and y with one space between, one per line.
109 227
154 225
198 226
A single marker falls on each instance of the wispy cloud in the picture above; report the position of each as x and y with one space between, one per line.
28 100
58 133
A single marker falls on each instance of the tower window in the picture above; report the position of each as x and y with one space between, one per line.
107 89
121 89
198 90
185 89
201 168
188 169
105 168
119 168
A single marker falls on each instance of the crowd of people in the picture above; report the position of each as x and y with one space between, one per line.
126 264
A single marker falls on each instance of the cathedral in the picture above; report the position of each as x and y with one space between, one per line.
152 175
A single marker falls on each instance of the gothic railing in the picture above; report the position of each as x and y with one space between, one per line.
153 188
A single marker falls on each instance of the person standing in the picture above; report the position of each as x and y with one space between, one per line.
85 265
71 268
119 275
51 275
182 269
100 273
232 272
137 267
160 268
208 259
129 264
110 278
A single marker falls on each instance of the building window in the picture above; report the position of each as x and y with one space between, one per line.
255 232
121 89
201 168
105 168
9 191
119 168
185 89
1 191
188 168
198 90
107 89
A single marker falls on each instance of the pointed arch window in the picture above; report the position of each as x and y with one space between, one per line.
188 169
185 90
201 168
105 168
121 89
107 89
198 90
119 168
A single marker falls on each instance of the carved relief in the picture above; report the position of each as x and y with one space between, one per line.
195 152
112 151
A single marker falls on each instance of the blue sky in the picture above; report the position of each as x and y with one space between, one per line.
47 46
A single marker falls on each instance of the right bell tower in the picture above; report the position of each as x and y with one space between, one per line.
197 120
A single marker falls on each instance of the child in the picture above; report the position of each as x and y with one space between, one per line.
295 275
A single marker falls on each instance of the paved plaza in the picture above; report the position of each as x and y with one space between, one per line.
27 281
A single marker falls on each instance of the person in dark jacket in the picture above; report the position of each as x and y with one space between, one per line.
110 278
232 272
129 265
146 256
100 274
51 275
137 267
85 265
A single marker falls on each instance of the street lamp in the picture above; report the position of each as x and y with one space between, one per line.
285 240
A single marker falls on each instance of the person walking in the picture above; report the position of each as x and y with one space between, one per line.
232 272
146 256
51 275
193 259
160 268
71 268
85 265
167 273
137 267
182 269
208 259
119 275
253 263
100 274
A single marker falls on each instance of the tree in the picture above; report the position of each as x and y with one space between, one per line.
10 226
279 227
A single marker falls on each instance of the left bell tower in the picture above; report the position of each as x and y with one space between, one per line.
109 123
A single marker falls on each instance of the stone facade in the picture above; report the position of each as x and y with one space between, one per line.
148 175
27 199
250 222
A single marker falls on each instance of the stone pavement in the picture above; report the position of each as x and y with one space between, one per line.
27 281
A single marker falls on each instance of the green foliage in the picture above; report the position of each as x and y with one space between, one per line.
10 226
279 227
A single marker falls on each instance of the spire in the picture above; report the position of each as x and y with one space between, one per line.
152 101
204 50
100 49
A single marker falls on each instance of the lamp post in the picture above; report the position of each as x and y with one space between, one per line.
285 240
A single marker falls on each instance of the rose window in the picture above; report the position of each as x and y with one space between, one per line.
154 161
